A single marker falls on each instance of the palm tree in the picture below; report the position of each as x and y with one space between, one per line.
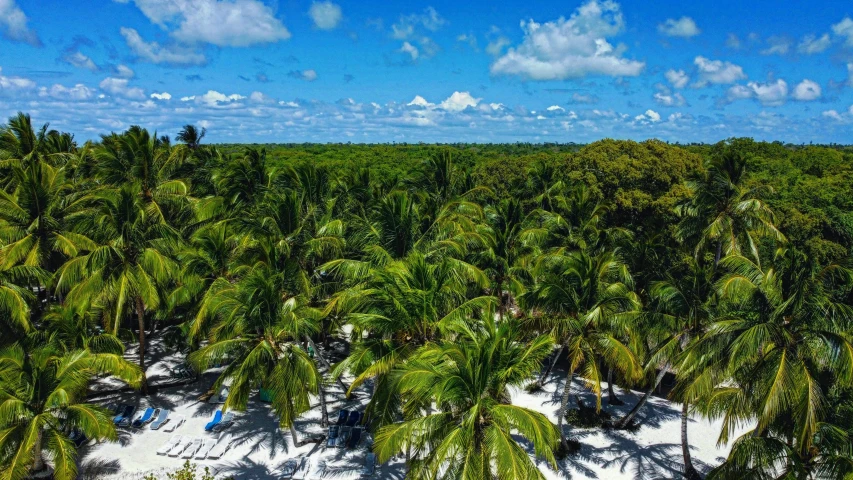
125 272
578 298
254 326
468 379
722 214
43 393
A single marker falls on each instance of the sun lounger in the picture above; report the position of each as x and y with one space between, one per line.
162 418
369 467
192 448
355 437
220 397
217 417
220 447
334 431
290 467
145 417
168 446
226 422
302 472
206 446
343 437
123 418
179 448
354 418
342 417
174 423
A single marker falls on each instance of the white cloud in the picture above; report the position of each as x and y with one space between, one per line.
684 27
259 97
806 91
215 99
408 24
732 41
120 87
420 101
326 15
410 49
496 46
77 92
224 23
79 60
667 99
738 92
850 74
777 46
677 78
833 114
459 101
812 44
844 29
124 71
717 72
649 116
15 83
581 98
571 48
770 94
154 53
161 96
13 24
307 75
555 108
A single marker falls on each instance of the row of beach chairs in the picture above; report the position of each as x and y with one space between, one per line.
347 432
193 447
153 417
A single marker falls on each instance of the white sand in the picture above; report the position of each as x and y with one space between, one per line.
260 448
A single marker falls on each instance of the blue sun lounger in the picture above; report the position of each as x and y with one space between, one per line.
355 437
342 417
354 418
146 416
125 411
217 417
334 430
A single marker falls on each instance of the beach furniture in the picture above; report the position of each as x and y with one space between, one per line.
334 430
354 418
369 467
220 397
193 447
302 472
221 446
174 423
162 418
226 422
168 446
342 417
290 467
145 417
125 414
179 448
343 437
206 446
217 417
355 437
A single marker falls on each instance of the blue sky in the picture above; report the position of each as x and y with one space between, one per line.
446 71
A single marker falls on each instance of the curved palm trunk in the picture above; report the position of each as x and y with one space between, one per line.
140 315
294 435
325 362
38 463
561 413
690 473
629 417
543 379
612 399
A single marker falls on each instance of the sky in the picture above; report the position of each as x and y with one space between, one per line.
433 71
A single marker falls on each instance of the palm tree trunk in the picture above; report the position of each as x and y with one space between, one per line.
294 435
140 315
612 399
719 254
499 293
690 473
38 463
629 417
561 413
325 362
543 379
324 410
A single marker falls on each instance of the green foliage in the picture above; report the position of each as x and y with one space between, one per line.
188 472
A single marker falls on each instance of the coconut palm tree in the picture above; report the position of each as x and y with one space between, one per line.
123 275
467 378
43 393
254 326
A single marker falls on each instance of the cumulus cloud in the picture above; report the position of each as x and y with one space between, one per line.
584 99
777 46
812 44
224 23
683 27
844 29
407 25
161 96
650 116
571 48
153 52
120 87
124 71
78 92
677 78
307 75
733 42
770 94
215 99
459 101
79 60
13 24
717 72
833 114
410 49
806 91
325 15
15 83
665 97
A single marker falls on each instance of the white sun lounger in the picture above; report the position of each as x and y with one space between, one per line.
192 448
206 446
168 446
160 420
174 423
220 447
179 448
